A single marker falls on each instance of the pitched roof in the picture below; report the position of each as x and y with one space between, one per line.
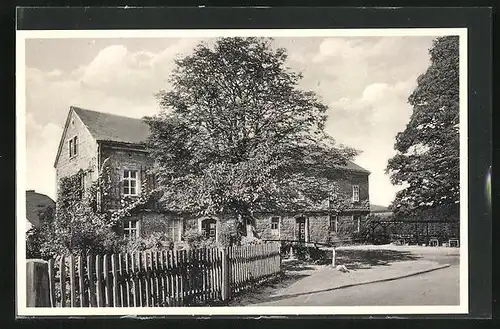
36 202
111 127
117 128
354 167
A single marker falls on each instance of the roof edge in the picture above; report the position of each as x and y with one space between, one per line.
65 129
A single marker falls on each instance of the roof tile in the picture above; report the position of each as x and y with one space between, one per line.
112 127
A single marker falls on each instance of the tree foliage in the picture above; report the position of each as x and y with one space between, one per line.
427 159
83 222
236 134
78 226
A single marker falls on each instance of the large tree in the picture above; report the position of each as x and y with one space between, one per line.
427 159
237 135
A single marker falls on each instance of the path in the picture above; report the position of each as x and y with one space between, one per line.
438 287
438 283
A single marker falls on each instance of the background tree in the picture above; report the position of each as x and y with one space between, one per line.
428 155
36 237
237 135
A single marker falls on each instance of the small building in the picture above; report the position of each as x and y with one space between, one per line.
91 138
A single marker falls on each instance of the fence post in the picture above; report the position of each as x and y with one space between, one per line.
225 289
37 283
333 256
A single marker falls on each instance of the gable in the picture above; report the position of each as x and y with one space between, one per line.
72 126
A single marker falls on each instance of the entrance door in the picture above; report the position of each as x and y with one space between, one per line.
301 229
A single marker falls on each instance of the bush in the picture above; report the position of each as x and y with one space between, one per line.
194 240
250 240
229 235
318 255
303 252
34 240
154 242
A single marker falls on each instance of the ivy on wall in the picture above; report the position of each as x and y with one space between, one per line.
83 223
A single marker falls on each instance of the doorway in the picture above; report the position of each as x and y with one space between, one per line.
209 228
301 229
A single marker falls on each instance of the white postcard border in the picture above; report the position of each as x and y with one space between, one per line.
22 310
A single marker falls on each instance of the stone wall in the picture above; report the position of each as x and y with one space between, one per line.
317 227
120 159
86 157
347 179
152 222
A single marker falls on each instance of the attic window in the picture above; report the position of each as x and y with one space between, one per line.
73 146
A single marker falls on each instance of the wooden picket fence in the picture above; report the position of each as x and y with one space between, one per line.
160 279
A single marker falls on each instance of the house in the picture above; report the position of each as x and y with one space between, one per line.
36 204
91 139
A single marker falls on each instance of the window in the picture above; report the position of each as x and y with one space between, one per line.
130 182
131 229
73 146
334 223
275 224
355 193
174 227
209 228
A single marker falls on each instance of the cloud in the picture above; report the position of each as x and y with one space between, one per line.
365 82
116 80
41 148
370 123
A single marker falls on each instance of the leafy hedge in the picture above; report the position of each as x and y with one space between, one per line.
306 253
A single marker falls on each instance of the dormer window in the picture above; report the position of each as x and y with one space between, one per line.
355 193
73 146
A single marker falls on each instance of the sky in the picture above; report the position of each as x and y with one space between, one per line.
365 81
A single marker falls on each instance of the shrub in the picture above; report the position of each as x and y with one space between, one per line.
303 252
34 240
250 240
318 255
194 240
155 242
229 235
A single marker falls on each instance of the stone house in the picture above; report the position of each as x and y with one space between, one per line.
91 139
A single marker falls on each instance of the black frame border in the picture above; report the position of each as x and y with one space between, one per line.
476 20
